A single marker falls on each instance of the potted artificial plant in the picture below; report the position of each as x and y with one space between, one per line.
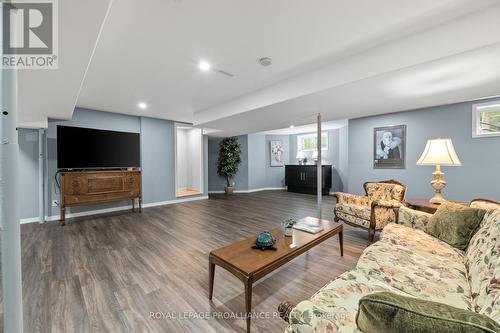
287 225
229 160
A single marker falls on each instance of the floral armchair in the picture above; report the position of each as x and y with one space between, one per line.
374 210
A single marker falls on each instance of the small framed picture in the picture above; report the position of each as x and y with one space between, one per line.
277 153
389 147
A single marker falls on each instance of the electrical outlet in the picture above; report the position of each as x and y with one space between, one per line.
55 203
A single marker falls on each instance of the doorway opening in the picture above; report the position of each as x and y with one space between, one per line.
188 160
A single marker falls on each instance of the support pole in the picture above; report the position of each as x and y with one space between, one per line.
41 191
9 204
320 177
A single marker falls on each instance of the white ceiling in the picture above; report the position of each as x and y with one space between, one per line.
53 93
468 76
344 58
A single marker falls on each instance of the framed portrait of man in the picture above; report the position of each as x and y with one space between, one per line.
389 147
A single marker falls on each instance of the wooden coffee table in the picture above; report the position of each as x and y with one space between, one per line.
249 265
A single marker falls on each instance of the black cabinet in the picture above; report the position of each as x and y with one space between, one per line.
303 178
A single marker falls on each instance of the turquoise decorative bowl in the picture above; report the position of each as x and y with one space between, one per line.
264 241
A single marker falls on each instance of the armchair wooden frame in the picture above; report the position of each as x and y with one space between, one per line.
374 204
485 200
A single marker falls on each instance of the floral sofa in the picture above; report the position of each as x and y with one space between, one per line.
408 261
373 211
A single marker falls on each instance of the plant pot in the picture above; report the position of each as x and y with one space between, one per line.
229 189
288 231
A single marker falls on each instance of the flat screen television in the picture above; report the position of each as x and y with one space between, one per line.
87 148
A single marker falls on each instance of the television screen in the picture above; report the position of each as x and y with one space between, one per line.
81 148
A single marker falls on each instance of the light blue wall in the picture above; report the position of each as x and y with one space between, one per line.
157 158
479 175
275 176
89 119
337 149
28 170
255 171
343 167
215 183
205 165
256 161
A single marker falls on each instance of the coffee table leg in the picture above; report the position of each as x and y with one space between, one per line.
341 240
248 301
211 274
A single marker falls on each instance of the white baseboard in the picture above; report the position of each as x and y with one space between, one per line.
110 210
253 190
170 202
30 220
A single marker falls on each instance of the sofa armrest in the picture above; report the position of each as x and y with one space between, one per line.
412 218
347 198
386 203
285 308
383 212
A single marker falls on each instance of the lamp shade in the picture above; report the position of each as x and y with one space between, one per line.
315 154
439 152
300 155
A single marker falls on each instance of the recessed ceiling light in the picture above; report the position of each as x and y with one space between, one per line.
265 61
204 66
291 126
142 106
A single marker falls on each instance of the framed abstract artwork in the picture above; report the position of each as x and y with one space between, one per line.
277 153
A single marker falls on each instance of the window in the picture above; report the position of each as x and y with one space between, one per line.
308 142
486 119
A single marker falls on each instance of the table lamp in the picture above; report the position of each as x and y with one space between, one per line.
300 156
315 155
439 152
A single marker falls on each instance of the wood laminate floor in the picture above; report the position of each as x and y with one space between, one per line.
109 273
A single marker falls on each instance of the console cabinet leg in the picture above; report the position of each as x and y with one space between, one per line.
63 215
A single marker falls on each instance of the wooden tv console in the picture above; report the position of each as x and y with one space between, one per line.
99 186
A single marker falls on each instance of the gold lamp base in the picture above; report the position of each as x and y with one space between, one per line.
438 184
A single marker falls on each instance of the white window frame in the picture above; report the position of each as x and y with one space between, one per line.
477 109
300 137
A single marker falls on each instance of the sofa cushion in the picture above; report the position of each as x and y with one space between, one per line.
353 219
420 241
356 214
483 265
385 312
360 211
455 224
361 215
419 265
333 308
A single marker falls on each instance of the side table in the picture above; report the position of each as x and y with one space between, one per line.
424 205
